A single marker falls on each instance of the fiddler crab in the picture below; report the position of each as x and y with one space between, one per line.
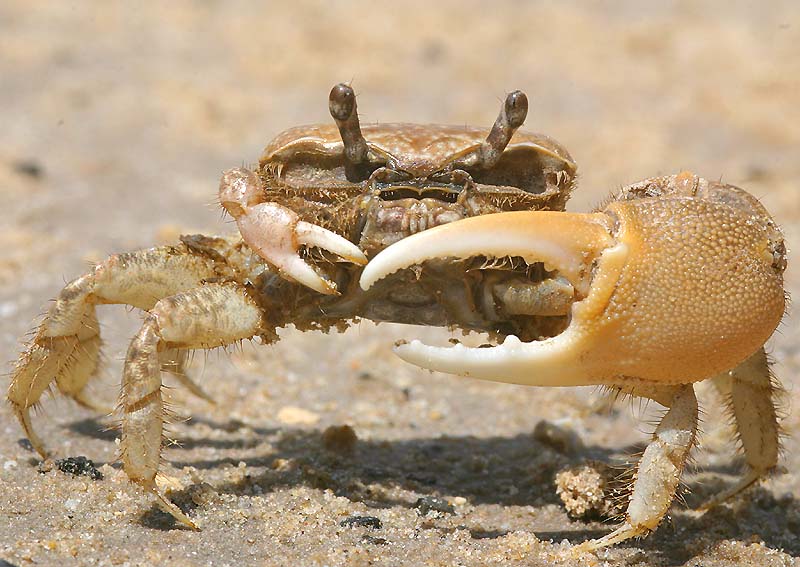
675 280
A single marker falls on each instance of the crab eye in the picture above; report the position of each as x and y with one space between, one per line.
516 108
342 102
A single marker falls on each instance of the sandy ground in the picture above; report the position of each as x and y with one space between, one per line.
116 122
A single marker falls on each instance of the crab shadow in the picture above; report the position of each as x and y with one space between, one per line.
505 471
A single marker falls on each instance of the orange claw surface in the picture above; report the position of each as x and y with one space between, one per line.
682 287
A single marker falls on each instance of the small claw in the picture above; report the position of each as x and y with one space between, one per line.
297 269
276 232
314 235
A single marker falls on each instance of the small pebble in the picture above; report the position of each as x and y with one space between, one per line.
339 439
586 491
362 521
202 493
433 504
79 466
8 465
562 440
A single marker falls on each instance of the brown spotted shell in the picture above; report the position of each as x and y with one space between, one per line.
419 149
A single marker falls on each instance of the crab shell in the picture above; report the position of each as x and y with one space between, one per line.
669 289
313 155
419 149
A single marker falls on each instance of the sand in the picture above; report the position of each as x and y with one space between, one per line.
117 120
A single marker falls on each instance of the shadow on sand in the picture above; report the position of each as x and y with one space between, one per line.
506 471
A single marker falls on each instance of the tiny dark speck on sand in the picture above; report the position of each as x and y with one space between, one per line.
433 504
362 521
374 540
29 168
79 466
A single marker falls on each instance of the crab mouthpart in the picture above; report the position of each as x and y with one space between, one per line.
579 247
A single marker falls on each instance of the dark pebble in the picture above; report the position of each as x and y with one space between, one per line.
4 563
79 466
434 504
29 168
362 521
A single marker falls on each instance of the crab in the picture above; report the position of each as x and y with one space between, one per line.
675 281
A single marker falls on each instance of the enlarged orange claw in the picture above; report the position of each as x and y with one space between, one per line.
675 290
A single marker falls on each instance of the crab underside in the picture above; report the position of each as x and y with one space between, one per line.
674 281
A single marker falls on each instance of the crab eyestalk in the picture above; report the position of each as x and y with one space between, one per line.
669 291
343 108
512 116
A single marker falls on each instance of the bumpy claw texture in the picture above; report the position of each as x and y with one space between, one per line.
677 280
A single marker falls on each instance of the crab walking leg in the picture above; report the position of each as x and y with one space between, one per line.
751 396
66 347
174 362
276 232
206 317
70 360
659 471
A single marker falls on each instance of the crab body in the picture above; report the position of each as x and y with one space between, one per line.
676 280
305 169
